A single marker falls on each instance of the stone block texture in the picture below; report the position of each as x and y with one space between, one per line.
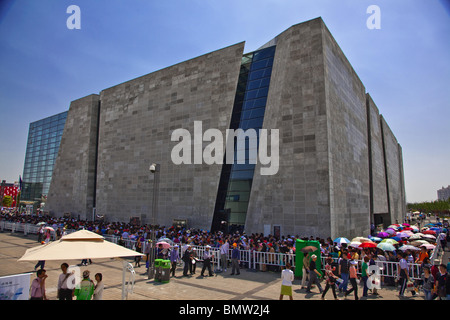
73 181
137 119
317 101
394 173
379 196
297 197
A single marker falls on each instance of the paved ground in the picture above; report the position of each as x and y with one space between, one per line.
249 285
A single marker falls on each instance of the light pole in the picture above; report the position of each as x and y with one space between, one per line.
154 169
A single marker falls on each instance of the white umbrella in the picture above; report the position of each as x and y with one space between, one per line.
355 244
79 245
418 243
428 246
341 240
416 236
408 247
361 239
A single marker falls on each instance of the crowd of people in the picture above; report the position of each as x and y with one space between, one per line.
340 268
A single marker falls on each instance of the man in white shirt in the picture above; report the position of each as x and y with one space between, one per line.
65 284
404 274
224 248
207 256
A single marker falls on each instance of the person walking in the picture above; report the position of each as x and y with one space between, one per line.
404 274
207 256
86 289
352 278
235 260
187 259
224 254
138 248
330 278
343 271
442 283
305 276
365 276
99 287
40 263
66 283
173 257
287 277
194 261
37 290
427 283
314 275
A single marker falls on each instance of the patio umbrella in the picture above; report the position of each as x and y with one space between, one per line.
408 247
341 240
79 245
386 246
368 245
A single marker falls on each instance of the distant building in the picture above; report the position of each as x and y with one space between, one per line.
443 194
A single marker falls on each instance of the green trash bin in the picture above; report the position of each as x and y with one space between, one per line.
165 271
158 263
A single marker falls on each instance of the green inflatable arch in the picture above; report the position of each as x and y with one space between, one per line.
299 255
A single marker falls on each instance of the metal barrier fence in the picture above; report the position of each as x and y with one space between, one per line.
251 259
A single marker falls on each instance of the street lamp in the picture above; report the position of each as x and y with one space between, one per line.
154 169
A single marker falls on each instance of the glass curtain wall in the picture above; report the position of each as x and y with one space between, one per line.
44 138
248 113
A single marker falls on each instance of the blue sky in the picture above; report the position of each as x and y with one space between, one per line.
405 65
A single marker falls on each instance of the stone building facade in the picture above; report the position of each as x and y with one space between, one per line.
340 165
